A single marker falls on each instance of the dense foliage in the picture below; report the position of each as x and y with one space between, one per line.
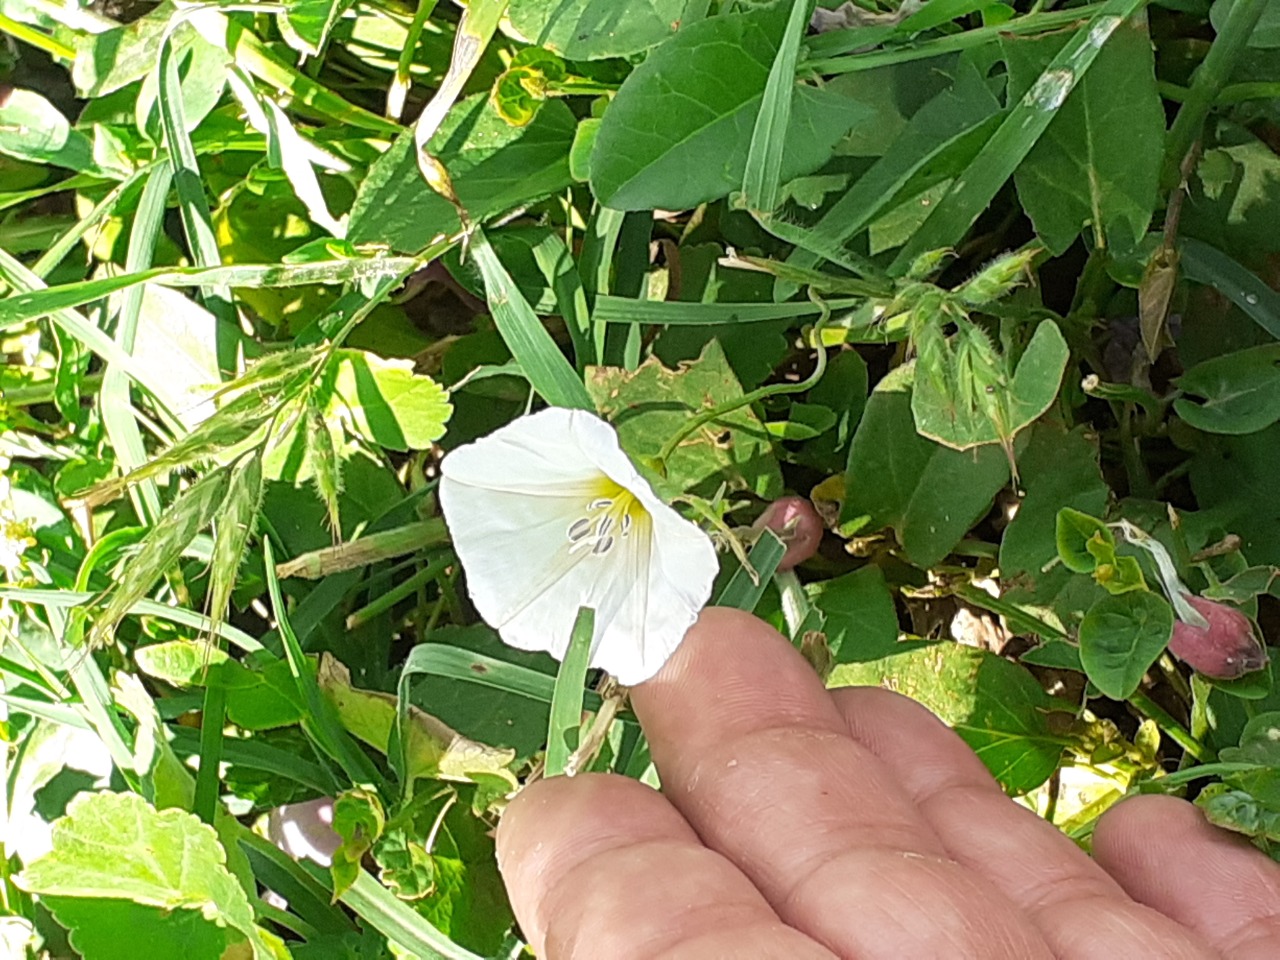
993 284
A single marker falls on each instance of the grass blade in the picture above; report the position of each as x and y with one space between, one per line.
525 336
742 592
566 700
41 301
399 922
1209 265
760 180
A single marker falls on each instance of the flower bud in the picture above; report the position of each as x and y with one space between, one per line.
1227 648
795 520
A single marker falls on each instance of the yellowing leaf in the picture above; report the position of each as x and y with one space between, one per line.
434 750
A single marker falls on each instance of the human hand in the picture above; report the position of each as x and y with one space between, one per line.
797 822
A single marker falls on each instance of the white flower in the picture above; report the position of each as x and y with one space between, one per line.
548 515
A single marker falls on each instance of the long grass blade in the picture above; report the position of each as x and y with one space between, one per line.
760 180
566 700
525 336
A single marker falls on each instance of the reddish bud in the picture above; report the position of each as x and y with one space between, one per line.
1227 648
795 520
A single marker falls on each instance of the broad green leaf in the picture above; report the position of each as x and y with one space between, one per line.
649 404
121 55
595 29
492 165
32 129
1120 637
1234 393
1238 811
1234 478
433 749
1058 470
492 714
101 929
358 818
385 402
1232 196
861 622
679 130
930 494
116 846
1098 162
995 705
937 142
257 699
964 395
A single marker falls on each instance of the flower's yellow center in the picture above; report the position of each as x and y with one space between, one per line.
611 515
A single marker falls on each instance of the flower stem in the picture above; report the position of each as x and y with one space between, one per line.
771 390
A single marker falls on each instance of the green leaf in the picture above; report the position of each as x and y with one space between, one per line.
995 705
1058 469
964 395
930 494
492 165
385 402
1235 477
1098 162
116 846
595 29
861 621
358 818
649 404
1238 811
742 591
1234 393
1077 535
305 24
1120 638
112 929
32 129
679 130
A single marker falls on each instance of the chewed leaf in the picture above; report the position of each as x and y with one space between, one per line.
647 405
385 402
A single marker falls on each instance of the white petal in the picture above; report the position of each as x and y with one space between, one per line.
534 455
514 546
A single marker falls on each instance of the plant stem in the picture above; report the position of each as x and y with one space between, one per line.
1208 81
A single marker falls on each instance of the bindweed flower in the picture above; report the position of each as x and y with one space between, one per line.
548 515
1225 649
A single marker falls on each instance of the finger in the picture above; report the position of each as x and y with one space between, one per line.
603 866
1080 910
753 752
1165 853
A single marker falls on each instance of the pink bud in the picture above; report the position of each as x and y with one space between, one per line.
1227 648
796 521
